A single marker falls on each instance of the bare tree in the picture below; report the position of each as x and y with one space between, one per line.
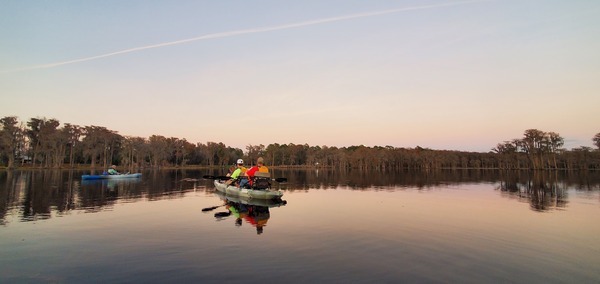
532 144
33 133
596 140
159 149
211 152
48 140
132 152
99 143
253 152
11 137
221 153
555 143
73 133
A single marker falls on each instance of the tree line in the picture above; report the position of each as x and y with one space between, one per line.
44 143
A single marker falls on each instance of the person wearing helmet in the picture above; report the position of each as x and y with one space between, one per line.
239 173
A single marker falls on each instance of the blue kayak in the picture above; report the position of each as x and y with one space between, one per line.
88 177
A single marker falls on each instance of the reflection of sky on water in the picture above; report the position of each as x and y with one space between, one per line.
467 232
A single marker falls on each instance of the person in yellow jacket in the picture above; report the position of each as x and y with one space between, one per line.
260 167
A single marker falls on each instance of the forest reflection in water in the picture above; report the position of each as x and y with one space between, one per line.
31 195
357 227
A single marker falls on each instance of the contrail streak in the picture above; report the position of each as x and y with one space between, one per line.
248 31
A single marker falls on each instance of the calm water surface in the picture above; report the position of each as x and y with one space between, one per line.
357 227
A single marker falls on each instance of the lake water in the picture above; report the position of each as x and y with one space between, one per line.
350 227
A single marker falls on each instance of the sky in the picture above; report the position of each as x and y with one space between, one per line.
439 74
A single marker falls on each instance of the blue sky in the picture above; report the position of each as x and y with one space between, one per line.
460 75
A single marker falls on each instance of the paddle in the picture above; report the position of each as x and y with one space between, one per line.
211 208
216 177
226 178
222 214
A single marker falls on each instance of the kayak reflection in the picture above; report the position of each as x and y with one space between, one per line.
109 183
252 211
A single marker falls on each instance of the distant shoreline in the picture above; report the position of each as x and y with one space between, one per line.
299 167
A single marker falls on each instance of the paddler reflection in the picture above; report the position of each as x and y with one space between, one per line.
251 211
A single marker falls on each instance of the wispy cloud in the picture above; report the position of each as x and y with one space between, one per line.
246 31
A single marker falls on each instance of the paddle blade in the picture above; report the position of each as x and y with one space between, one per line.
216 177
210 208
281 179
222 214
